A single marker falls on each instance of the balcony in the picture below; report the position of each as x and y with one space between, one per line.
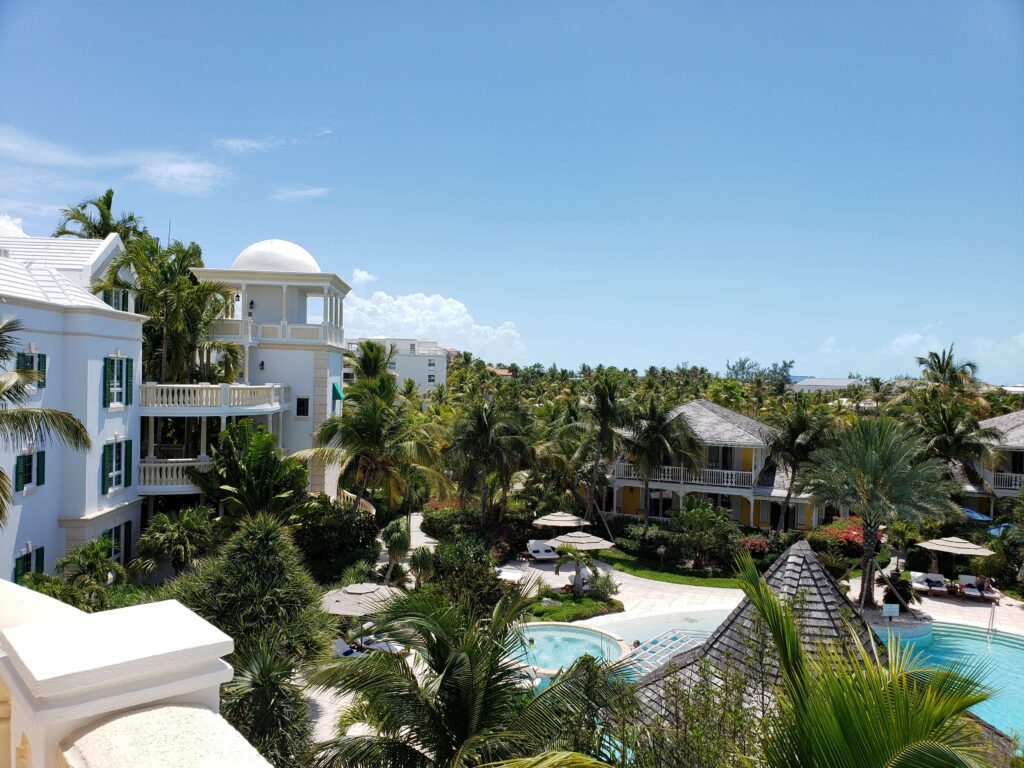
719 478
212 399
1007 481
169 476
248 331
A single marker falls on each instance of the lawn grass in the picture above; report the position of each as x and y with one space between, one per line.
572 608
646 570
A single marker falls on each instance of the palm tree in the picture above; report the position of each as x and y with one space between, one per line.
605 412
78 221
879 392
879 471
397 542
370 363
945 371
421 563
486 436
801 429
839 707
179 538
569 555
375 441
656 437
22 426
461 697
952 432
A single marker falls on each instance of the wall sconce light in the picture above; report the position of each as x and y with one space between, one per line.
237 297
252 305
261 365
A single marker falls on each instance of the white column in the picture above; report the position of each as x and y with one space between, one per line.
152 438
202 437
327 308
284 304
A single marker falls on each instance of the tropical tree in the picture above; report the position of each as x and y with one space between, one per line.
879 471
22 425
79 221
461 698
656 437
952 432
605 412
421 563
569 555
369 362
177 538
948 373
397 541
801 428
704 528
86 597
486 437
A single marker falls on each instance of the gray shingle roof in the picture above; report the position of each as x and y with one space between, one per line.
713 424
824 614
1011 429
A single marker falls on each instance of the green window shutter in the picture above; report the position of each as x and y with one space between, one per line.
40 559
41 367
19 473
108 298
128 381
105 466
124 301
20 361
107 375
22 565
126 542
40 467
127 463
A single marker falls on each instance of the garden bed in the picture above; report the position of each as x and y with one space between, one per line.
573 608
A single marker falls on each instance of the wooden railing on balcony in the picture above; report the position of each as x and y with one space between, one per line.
728 478
169 472
1007 481
212 395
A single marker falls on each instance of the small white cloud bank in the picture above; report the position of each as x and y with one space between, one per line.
442 318
243 146
362 277
11 227
300 193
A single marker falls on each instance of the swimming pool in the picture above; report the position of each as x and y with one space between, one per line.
556 646
698 624
1004 658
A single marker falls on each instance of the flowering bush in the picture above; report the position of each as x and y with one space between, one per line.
755 545
844 535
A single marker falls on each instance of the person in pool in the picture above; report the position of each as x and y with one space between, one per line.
636 644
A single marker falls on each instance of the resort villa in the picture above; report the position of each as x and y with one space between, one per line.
734 473
424 362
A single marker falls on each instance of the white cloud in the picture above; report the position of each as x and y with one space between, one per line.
243 146
300 193
362 277
11 227
914 342
828 346
441 318
166 170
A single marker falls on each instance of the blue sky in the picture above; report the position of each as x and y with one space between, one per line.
631 183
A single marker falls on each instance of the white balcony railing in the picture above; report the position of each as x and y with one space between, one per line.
169 473
248 329
1007 481
727 478
238 396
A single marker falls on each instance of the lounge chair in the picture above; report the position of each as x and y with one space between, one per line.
512 575
968 589
930 584
343 649
539 549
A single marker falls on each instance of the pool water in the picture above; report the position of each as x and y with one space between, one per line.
555 647
696 624
1004 668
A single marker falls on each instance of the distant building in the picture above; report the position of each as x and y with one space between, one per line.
425 362
814 384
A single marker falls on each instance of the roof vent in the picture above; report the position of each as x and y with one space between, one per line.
5 253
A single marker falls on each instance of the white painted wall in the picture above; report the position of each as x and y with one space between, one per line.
427 360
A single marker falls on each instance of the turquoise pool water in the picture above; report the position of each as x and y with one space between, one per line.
555 647
1004 658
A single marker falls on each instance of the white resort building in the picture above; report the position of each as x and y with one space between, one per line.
425 362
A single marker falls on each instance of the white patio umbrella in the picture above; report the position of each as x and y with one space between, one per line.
560 520
953 545
582 541
358 599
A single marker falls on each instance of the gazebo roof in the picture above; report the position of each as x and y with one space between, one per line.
954 545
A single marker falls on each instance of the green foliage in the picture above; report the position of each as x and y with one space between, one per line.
421 563
646 570
397 541
85 597
464 572
249 475
257 591
705 531
574 608
332 536
602 585
178 538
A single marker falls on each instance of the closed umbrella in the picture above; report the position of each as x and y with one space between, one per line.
560 520
358 599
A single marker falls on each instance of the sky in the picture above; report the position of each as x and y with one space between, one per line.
634 184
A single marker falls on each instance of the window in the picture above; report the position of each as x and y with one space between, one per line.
302 407
412 349
117 381
33 361
29 470
120 538
392 366
116 471
431 378
117 298
22 565
431 363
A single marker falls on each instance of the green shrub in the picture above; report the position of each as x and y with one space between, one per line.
602 585
332 537
571 608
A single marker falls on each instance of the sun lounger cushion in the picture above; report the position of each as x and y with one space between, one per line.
968 587
539 549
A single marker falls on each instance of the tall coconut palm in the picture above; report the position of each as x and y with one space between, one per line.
370 364
460 698
946 371
801 428
22 425
486 437
656 437
952 432
604 413
878 470
79 221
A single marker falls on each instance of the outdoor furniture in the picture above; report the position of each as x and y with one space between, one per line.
343 649
968 589
358 599
931 584
539 549
512 575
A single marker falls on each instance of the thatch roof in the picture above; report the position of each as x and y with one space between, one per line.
741 645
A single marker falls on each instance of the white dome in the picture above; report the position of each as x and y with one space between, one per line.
276 256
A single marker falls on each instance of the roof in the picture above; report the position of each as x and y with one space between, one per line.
813 381
823 612
63 253
773 482
960 474
1010 427
42 284
276 256
713 424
